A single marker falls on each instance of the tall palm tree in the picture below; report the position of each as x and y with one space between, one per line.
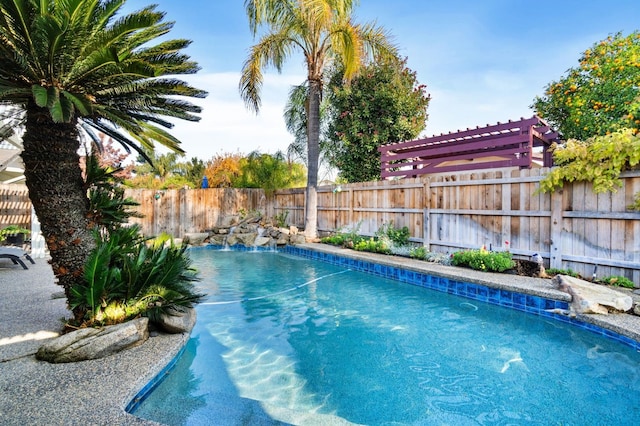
323 31
295 119
73 68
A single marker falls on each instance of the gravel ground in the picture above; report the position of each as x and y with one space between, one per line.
84 393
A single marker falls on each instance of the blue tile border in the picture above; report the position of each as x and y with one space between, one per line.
522 302
153 383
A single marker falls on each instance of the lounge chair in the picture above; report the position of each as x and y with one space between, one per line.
15 254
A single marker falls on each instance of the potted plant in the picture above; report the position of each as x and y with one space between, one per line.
13 235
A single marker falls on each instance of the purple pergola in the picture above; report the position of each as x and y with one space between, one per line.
501 145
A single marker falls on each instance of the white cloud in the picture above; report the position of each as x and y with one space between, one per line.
228 126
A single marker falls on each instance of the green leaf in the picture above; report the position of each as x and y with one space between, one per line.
80 102
62 110
53 96
40 95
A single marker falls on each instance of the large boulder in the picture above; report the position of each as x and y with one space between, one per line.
218 239
262 241
589 298
94 343
297 239
283 240
176 321
196 238
229 221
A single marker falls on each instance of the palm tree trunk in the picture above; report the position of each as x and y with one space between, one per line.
58 194
313 152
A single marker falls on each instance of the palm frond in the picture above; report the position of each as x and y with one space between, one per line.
272 50
81 61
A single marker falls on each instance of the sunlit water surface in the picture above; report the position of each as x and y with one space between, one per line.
286 340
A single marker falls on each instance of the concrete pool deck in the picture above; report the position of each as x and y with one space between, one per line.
96 392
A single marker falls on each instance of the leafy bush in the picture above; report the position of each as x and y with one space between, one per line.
419 253
398 236
347 239
125 278
617 281
335 239
126 275
13 231
372 245
599 160
483 260
281 218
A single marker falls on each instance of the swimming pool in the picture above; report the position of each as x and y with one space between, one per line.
286 339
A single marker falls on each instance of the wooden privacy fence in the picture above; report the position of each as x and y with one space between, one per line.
571 229
181 211
15 207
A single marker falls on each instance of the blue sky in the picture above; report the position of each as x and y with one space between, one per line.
482 61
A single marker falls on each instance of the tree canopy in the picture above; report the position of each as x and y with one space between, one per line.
269 172
601 95
383 104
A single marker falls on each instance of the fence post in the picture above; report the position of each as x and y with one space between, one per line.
506 207
426 207
183 226
555 260
350 202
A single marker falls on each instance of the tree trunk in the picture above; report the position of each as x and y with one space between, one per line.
313 152
58 194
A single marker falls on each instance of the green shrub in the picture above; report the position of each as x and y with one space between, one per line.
348 239
126 275
281 218
372 245
335 239
617 281
418 253
483 260
13 231
398 236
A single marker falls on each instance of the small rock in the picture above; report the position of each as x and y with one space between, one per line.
94 343
284 231
636 309
589 298
297 239
177 321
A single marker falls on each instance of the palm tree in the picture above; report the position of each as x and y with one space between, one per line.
73 69
323 31
295 119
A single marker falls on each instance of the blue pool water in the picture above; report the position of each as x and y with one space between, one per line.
285 340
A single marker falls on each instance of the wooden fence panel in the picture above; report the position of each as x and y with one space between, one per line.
181 211
600 235
15 207
289 203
